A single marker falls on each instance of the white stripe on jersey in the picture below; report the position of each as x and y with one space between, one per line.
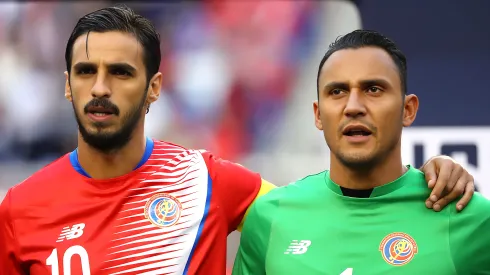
138 245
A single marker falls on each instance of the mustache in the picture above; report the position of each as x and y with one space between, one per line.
366 124
103 103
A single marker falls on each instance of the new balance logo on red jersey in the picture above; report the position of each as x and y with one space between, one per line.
298 247
74 232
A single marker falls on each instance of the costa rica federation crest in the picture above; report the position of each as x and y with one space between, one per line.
398 248
163 210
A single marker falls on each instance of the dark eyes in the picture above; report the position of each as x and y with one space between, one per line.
120 72
336 92
115 71
83 71
372 89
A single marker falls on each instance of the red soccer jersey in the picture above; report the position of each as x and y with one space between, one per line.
171 215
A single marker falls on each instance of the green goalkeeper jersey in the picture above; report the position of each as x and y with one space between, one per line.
310 228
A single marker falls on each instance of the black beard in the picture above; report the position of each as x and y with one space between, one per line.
111 142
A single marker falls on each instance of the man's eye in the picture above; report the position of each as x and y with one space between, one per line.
336 92
86 71
121 72
374 89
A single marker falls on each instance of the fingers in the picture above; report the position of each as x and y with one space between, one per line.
442 181
456 191
457 174
468 194
429 169
451 182
465 186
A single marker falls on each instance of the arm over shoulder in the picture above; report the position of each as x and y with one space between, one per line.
233 186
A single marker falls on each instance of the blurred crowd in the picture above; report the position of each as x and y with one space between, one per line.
228 69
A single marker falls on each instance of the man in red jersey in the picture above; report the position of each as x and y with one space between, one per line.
122 203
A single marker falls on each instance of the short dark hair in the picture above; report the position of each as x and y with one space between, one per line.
367 38
120 18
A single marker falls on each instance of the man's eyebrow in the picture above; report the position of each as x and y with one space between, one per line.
364 84
119 65
336 85
375 82
83 65
122 66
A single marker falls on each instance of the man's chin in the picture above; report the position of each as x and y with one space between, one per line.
94 126
358 160
98 136
102 139
99 129
103 143
109 136
100 132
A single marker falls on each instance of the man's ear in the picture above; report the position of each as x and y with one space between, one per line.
67 87
154 89
316 113
410 108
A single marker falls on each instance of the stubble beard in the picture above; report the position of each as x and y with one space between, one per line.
367 162
110 142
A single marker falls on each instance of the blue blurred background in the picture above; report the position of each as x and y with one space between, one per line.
240 79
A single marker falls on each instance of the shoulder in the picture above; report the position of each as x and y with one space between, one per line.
169 147
40 185
416 185
475 216
304 187
226 170
172 151
297 193
223 173
179 151
416 177
44 177
478 208
468 236
164 150
165 145
173 156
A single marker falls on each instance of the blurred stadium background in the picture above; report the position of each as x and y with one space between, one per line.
240 78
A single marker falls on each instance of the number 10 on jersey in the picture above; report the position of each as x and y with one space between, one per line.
53 260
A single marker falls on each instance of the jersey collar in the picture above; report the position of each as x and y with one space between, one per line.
76 165
380 190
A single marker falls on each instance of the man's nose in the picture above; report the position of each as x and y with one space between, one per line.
355 105
100 88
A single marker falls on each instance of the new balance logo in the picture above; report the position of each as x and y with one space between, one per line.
74 232
298 247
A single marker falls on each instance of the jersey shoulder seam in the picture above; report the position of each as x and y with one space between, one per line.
312 175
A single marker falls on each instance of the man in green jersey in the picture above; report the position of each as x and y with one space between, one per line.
364 216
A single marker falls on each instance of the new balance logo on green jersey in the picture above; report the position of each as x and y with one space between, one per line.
298 247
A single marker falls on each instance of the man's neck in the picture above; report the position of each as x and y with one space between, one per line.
101 165
383 173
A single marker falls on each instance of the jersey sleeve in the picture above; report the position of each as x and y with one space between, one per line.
265 187
233 186
251 255
9 263
469 237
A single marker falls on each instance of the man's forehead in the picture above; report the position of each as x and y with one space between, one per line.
107 47
362 62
